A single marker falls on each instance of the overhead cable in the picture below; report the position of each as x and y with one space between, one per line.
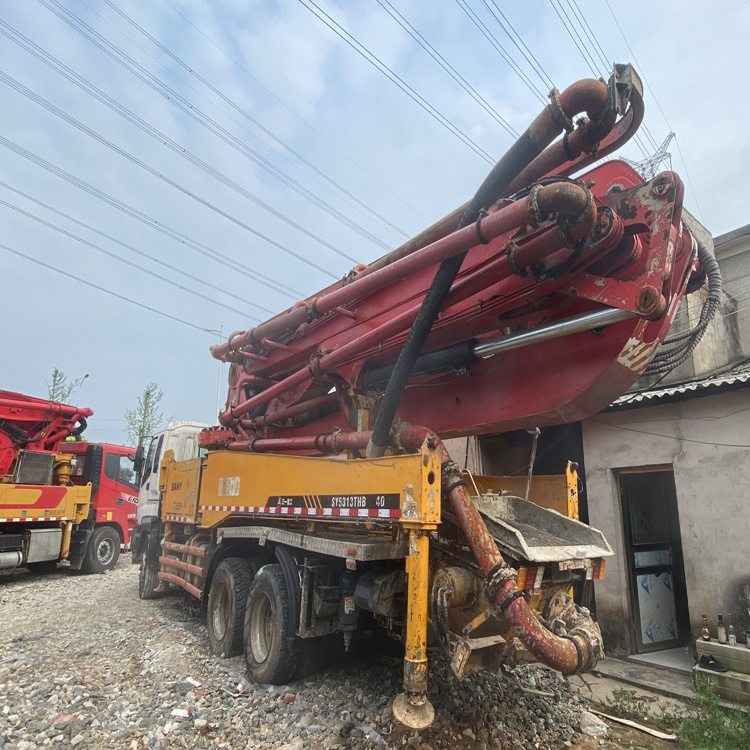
135 250
120 259
505 24
160 175
193 72
148 220
103 289
293 111
196 114
656 101
379 65
447 67
501 50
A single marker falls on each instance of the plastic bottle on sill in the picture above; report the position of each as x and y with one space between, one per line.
731 637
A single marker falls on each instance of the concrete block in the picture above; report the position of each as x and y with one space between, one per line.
733 686
737 658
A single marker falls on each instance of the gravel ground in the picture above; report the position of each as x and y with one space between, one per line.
85 663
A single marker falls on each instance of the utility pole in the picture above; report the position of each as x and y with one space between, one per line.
80 385
220 334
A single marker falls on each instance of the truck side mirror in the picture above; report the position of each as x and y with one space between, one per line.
140 452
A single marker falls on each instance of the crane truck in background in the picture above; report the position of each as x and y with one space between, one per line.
327 502
61 497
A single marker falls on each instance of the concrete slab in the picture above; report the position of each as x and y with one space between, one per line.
679 659
733 686
607 692
737 658
656 680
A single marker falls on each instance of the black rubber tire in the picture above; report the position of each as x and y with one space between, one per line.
103 551
227 601
271 648
254 564
148 579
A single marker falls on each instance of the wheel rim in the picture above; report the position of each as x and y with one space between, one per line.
261 628
105 551
219 615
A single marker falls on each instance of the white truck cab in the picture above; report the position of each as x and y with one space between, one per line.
180 437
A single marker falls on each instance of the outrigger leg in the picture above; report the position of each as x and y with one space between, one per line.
412 708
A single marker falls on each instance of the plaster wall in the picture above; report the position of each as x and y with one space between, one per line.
733 253
465 452
706 441
735 271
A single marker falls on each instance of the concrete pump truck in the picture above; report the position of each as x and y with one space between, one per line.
327 501
61 499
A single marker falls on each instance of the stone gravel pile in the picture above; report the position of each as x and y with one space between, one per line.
85 663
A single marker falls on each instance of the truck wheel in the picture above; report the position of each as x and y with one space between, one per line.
103 550
271 649
226 606
148 579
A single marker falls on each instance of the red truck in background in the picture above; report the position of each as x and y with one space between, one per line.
61 497
114 497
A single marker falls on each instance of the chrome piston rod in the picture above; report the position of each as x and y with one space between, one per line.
577 324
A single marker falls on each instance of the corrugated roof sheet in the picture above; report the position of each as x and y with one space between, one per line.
738 375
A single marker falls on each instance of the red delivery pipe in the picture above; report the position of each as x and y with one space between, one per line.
568 654
565 199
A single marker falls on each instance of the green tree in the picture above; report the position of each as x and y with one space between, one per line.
143 421
59 389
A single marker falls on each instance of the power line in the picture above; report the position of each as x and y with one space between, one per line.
149 221
59 67
136 250
584 24
241 67
200 117
500 49
379 65
569 24
109 254
656 101
522 48
670 437
607 67
192 71
573 34
102 289
446 66
159 175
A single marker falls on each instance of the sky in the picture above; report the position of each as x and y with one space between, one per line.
172 171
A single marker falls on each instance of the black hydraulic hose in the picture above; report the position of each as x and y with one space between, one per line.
452 358
684 343
82 424
15 432
518 156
